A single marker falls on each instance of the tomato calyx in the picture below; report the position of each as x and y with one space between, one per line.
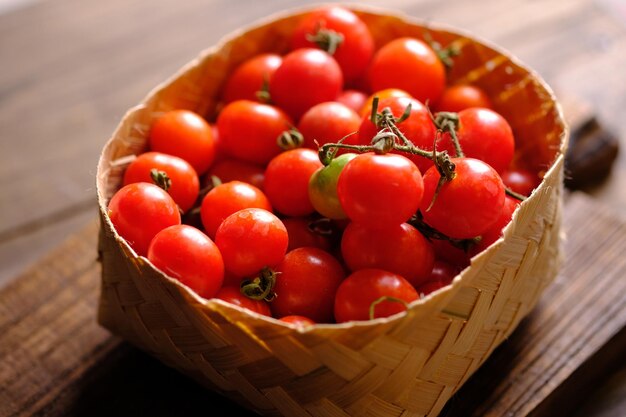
448 122
445 54
431 233
161 179
260 287
263 95
372 310
290 139
326 39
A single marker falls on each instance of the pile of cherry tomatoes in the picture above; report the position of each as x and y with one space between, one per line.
338 182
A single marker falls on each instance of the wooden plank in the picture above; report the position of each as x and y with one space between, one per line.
55 360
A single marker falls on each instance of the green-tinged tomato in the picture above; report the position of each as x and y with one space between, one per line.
323 188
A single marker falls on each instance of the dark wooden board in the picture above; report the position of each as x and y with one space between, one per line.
55 360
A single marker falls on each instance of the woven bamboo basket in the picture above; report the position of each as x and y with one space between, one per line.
406 365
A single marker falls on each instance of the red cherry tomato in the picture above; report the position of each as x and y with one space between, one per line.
141 210
467 205
495 231
305 78
234 296
410 65
355 50
185 134
188 255
366 110
446 252
327 122
400 249
306 284
249 130
484 134
357 293
250 240
301 234
299 322
461 97
381 190
235 170
228 198
184 180
248 79
443 272
428 287
287 181
418 128
352 99
521 181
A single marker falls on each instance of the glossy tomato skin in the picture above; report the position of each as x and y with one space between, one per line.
484 134
299 322
327 122
355 51
250 240
446 252
188 255
418 128
228 198
184 134
230 169
353 99
460 97
185 183
287 181
139 211
234 296
381 190
495 231
467 205
323 187
249 130
359 290
305 78
520 180
301 235
248 78
442 275
410 65
400 249
306 284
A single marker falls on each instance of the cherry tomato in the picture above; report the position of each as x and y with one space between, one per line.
484 134
298 322
521 181
467 205
327 122
323 187
305 78
448 253
287 181
357 293
428 287
249 130
352 99
228 198
185 134
301 231
418 128
353 53
251 239
249 77
410 65
380 189
443 272
188 255
495 231
306 284
366 110
141 210
400 249
461 97
234 296
235 170
184 180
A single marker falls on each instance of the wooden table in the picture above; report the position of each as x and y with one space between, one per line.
70 68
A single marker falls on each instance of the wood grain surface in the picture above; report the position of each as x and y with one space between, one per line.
55 360
71 68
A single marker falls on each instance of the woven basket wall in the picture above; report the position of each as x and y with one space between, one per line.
407 365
